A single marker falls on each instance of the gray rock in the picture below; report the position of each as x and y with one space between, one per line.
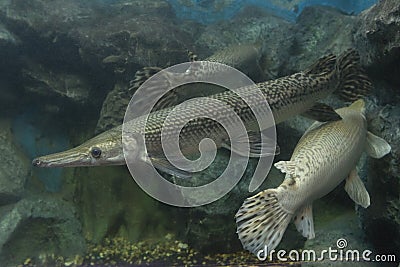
15 167
45 82
38 227
142 34
7 38
319 31
252 26
96 41
381 220
378 38
114 107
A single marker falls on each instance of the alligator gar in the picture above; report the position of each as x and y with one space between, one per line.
288 96
325 155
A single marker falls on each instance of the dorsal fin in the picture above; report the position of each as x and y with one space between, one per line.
358 105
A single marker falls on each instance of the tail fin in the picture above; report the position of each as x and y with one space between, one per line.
353 82
325 64
261 221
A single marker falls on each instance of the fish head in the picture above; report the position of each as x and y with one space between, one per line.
103 149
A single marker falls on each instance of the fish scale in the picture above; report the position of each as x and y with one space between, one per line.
322 148
269 89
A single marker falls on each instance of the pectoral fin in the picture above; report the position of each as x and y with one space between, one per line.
304 221
260 145
288 167
322 112
376 147
162 164
356 189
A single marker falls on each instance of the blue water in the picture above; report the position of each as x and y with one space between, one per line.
36 141
203 11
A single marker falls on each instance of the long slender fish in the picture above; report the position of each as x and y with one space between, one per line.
287 97
325 156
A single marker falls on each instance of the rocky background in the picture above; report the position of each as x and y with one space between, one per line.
64 73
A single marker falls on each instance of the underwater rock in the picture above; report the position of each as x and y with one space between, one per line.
7 38
9 52
133 34
252 26
43 28
378 39
14 167
111 205
319 30
210 11
381 220
97 40
114 107
45 82
38 227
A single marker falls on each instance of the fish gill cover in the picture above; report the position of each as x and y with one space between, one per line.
209 11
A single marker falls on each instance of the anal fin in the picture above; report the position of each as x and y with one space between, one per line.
356 189
304 221
162 164
260 145
322 112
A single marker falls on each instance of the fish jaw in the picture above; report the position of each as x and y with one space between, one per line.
104 149
75 158
68 158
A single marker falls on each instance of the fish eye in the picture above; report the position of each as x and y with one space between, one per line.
96 152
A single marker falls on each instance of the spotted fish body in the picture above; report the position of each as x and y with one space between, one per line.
322 159
287 97
326 155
